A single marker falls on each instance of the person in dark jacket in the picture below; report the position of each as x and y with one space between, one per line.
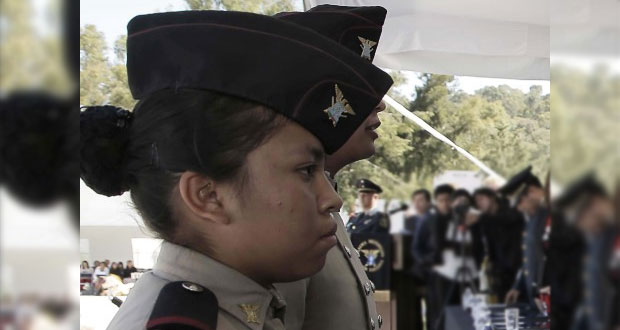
370 220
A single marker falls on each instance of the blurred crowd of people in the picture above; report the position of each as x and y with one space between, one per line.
106 278
557 257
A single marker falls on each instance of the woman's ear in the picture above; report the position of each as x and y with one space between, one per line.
200 195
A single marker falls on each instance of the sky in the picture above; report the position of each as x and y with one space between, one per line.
111 17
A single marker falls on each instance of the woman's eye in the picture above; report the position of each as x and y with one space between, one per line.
308 171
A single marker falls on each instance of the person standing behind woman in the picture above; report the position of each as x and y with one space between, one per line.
342 284
224 159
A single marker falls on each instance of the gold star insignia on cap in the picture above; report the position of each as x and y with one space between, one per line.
366 47
250 311
340 107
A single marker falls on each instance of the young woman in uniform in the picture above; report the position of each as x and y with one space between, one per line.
224 158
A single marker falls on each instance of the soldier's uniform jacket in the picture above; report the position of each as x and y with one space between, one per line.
241 302
529 277
372 221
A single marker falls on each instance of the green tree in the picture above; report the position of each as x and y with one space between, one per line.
118 90
29 60
103 81
585 123
432 103
95 75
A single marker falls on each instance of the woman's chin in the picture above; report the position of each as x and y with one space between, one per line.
309 269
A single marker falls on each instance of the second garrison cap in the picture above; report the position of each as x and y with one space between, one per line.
356 28
519 181
293 70
365 185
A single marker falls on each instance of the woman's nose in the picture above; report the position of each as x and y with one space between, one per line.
329 200
380 107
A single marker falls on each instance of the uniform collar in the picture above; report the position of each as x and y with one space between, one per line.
371 211
231 288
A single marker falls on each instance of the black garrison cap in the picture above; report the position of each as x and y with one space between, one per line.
356 28
365 185
293 70
517 183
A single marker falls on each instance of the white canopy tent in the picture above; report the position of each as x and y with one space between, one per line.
482 38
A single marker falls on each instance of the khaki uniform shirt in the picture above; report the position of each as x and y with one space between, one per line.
262 308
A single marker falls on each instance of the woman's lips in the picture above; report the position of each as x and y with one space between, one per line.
330 236
370 129
331 231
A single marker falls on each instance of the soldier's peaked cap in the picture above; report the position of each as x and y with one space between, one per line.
356 28
365 185
295 71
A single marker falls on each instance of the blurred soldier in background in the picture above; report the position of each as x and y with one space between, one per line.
528 196
370 220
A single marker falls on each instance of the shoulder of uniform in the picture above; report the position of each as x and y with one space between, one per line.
184 305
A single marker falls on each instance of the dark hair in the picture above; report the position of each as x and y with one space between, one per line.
443 189
171 131
486 192
463 192
424 192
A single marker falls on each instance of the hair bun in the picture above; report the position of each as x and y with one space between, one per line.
38 147
104 136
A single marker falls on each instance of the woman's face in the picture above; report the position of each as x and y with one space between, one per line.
280 223
361 144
